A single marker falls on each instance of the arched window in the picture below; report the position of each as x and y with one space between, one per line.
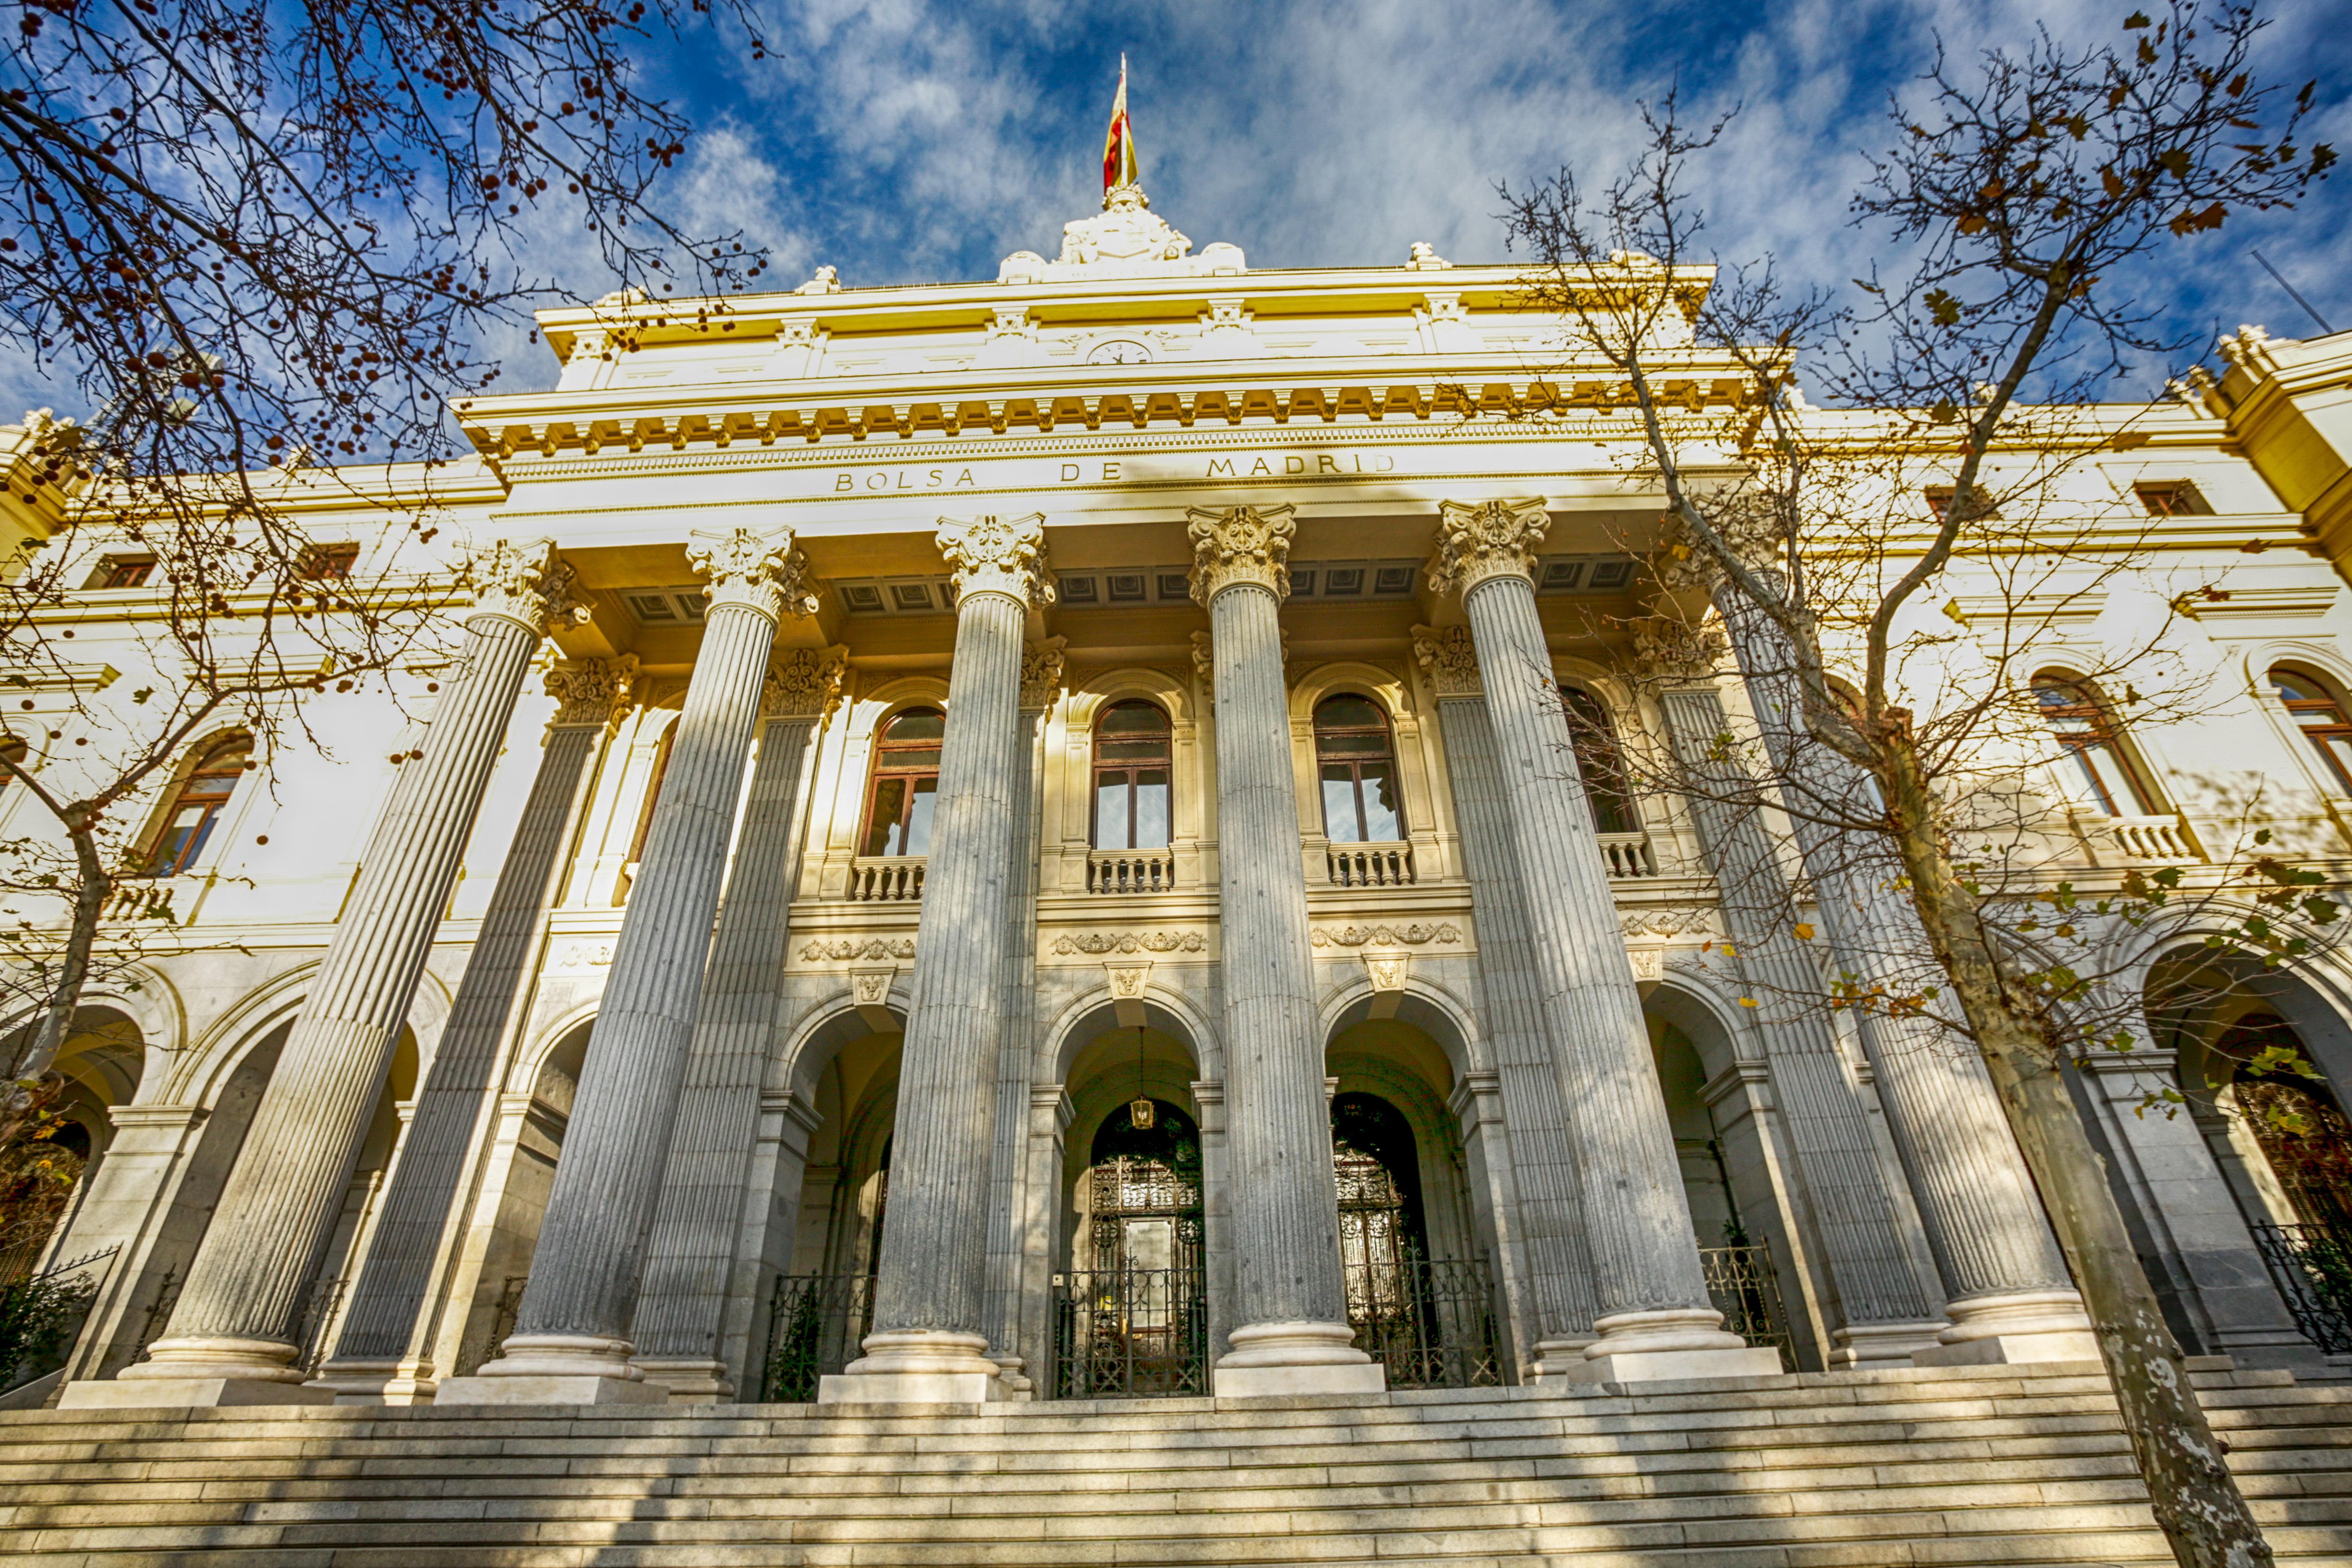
2321 714
2092 761
1360 801
905 785
203 795
1131 777
1598 759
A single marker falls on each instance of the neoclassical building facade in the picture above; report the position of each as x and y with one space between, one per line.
1058 838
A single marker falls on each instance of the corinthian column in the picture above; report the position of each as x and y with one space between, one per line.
235 1333
929 1297
386 1350
571 1342
1525 1057
693 1270
1887 1316
1290 1300
2011 1297
1654 1317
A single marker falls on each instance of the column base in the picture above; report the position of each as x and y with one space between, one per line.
1877 1346
1554 1357
915 1366
1678 1366
357 1382
195 1371
687 1380
2013 1328
1275 1359
555 1369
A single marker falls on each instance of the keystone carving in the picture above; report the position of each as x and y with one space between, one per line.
804 682
1445 652
999 555
524 583
1238 545
1493 539
760 570
1131 942
590 693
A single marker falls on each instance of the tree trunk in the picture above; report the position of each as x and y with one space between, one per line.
2195 1500
47 1035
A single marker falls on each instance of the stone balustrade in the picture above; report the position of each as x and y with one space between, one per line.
1118 872
886 879
1372 865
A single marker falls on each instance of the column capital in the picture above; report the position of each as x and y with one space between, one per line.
804 682
521 581
1041 672
1673 652
999 555
1237 545
760 570
1447 655
1491 538
591 693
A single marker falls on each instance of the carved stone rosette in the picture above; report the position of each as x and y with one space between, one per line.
1445 652
999 555
804 682
590 693
1493 539
759 568
1041 672
523 582
1237 545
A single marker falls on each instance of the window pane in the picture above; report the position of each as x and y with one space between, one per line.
917 724
1133 719
2083 781
2292 688
1151 810
1131 751
1352 745
1110 811
174 844
1339 824
1383 820
2337 749
918 817
2122 791
882 827
1351 713
909 759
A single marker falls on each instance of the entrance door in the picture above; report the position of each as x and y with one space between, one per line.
1134 1320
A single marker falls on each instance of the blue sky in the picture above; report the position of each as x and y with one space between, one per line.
908 143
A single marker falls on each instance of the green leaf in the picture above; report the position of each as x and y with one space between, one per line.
1943 307
2136 21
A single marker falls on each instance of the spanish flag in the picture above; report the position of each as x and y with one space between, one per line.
1119 167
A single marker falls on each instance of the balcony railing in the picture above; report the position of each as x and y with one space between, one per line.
1121 872
1371 865
1627 855
887 879
2145 840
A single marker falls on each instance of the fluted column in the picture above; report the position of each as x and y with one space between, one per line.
2011 1298
929 1297
385 1349
1887 1315
1542 1160
1653 1312
570 1340
691 1261
1290 1301
236 1331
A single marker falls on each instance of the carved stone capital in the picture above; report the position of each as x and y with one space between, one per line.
1041 672
804 682
759 569
1204 658
1493 539
999 555
522 581
591 693
1445 652
1668 649
1237 545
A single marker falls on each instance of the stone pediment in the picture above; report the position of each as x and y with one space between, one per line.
1126 239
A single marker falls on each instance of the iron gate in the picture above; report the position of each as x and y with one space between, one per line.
816 1322
2313 1267
1125 1332
1742 1284
1430 1322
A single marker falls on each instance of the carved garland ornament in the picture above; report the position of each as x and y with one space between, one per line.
1493 539
999 555
590 693
1667 923
761 570
804 682
1132 942
1452 662
524 583
844 949
1413 935
1240 544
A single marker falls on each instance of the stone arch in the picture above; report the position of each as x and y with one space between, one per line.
1095 1012
839 1065
1437 1012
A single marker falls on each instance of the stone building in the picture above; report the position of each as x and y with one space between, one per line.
1023 841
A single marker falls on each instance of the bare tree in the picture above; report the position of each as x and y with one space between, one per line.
2015 199
255 240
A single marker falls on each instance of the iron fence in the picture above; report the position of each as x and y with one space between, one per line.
41 1316
1741 1282
1128 1333
816 1322
1429 1322
2313 1267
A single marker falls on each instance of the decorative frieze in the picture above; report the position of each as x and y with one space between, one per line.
1413 935
1685 922
762 569
842 949
1237 545
804 682
1451 662
999 555
1131 942
1493 539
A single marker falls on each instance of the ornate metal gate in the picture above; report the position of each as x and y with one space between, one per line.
1124 1332
1742 1284
1430 1322
814 1324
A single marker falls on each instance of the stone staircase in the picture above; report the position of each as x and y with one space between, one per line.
1951 1466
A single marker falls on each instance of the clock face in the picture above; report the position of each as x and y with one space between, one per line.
1118 351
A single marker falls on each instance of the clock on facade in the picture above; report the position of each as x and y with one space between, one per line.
1118 351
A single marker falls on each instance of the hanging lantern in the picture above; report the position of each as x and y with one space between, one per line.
1140 1112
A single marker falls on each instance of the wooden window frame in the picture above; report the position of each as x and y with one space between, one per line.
1128 768
2331 700
1354 763
1596 729
2101 731
883 770
198 783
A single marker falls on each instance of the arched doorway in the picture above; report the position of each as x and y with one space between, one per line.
2292 1119
529 1141
1132 1317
